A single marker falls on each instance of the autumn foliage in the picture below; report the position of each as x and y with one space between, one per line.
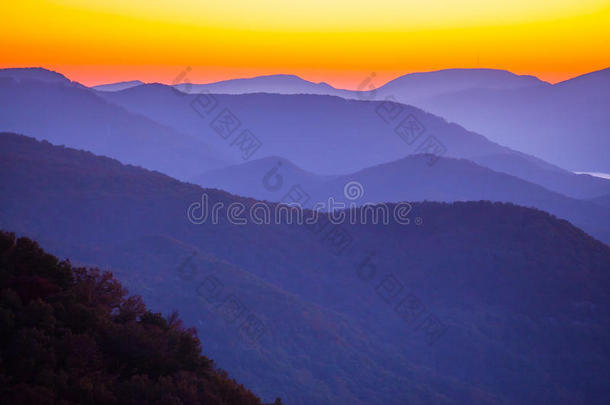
71 335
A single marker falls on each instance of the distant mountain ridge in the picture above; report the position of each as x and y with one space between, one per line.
581 186
566 123
277 84
331 135
413 87
322 134
257 178
68 113
418 84
117 86
407 179
522 112
519 111
160 104
34 73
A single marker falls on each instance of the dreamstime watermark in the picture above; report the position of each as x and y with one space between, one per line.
337 212
336 237
353 190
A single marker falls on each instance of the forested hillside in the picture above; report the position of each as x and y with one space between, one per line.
72 335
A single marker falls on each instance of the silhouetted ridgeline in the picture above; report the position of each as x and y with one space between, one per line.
71 335
410 179
40 108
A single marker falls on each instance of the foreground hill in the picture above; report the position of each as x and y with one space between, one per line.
524 296
71 335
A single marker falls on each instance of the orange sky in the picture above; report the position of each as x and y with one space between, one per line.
340 42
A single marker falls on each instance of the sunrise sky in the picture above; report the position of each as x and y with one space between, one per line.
340 42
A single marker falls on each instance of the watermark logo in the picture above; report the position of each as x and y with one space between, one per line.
291 211
182 81
353 190
272 180
366 89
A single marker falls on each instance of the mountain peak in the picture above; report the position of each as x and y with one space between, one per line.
427 84
34 73
593 78
276 83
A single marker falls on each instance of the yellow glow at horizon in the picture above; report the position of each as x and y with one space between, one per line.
334 41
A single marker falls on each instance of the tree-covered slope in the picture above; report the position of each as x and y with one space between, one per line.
72 335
